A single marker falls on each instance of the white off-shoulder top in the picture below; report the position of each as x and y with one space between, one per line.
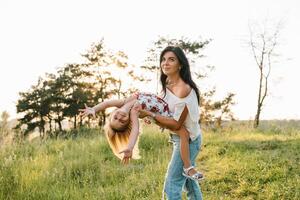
176 106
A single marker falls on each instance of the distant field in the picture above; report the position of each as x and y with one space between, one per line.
238 162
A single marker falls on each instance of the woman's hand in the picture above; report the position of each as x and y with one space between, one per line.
87 111
145 113
127 156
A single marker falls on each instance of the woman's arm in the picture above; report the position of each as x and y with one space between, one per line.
171 123
168 122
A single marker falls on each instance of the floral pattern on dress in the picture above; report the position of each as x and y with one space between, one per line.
153 103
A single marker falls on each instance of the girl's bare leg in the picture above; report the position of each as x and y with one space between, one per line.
185 149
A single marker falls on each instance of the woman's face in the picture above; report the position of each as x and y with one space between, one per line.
119 119
169 63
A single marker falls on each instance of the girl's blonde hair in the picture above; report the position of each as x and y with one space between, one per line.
118 140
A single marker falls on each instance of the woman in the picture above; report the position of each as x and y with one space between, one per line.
182 96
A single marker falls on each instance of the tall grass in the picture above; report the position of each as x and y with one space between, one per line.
238 162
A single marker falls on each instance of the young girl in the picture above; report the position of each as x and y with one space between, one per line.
122 127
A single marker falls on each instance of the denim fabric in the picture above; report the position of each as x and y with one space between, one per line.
175 182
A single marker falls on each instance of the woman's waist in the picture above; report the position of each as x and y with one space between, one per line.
176 138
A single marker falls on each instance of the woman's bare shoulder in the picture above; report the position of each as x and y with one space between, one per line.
183 91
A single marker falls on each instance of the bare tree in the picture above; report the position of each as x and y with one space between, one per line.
263 43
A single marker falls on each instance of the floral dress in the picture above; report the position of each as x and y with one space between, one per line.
153 103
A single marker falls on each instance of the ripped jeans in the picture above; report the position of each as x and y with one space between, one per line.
175 182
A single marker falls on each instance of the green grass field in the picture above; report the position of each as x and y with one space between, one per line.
238 162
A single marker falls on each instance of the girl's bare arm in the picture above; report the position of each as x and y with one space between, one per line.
134 133
112 103
103 105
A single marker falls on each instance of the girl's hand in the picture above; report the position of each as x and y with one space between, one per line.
127 156
87 111
136 107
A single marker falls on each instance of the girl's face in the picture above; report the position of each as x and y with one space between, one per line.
169 63
119 119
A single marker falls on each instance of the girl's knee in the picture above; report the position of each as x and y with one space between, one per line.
183 133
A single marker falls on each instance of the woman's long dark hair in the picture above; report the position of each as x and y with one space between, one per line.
185 72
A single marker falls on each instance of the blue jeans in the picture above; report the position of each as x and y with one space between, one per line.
175 182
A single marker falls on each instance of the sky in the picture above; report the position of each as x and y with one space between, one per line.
37 37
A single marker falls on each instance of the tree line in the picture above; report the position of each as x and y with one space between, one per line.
104 74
